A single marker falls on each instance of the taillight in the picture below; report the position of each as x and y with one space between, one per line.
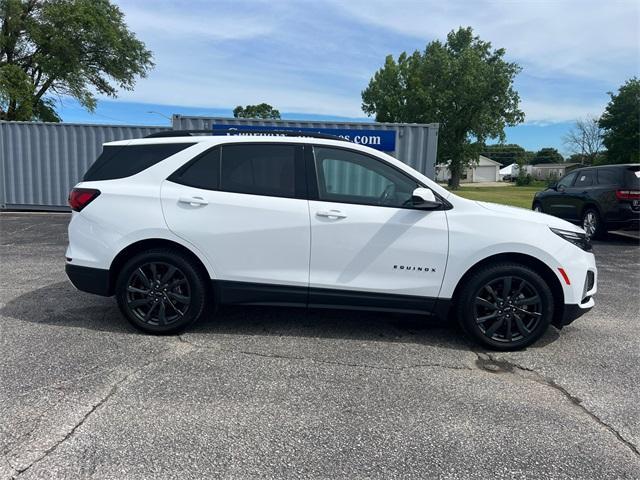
81 197
628 194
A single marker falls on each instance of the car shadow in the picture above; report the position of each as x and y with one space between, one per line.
60 304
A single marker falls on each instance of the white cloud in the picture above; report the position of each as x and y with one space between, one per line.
317 57
583 38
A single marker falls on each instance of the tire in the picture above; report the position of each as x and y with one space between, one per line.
592 223
169 305
537 207
511 322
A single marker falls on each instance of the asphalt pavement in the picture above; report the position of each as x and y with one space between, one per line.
289 393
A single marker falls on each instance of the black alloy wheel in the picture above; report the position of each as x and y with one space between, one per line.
505 306
158 293
507 309
161 291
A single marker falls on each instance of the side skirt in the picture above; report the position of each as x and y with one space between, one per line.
246 293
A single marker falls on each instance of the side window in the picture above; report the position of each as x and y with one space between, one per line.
585 179
125 161
567 181
202 172
350 177
260 169
608 176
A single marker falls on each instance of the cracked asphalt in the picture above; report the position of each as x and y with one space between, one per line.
286 393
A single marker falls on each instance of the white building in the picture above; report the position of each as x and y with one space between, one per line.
485 170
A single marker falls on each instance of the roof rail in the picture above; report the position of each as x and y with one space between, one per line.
237 131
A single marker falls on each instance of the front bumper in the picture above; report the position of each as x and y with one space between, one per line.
88 279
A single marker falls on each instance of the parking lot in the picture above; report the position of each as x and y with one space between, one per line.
286 393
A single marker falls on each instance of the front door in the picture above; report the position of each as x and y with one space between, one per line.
558 201
244 206
368 245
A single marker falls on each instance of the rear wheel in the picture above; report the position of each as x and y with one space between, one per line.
505 306
592 223
161 291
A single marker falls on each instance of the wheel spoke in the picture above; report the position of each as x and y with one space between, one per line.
140 302
521 326
143 276
147 316
180 298
485 303
506 287
137 290
494 328
154 271
509 334
490 289
487 317
174 307
168 274
529 301
534 314
162 314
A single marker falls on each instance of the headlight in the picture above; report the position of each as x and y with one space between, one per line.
580 240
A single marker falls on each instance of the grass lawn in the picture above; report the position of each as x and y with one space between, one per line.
510 195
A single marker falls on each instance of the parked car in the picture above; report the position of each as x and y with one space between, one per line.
167 224
598 198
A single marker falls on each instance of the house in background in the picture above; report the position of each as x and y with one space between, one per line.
545 171
485 170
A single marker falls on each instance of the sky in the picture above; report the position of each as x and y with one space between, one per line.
312 59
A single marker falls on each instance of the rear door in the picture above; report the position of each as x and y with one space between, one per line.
244 206
366 239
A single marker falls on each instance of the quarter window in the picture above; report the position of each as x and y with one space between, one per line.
203 172
349 177
608 176
259 169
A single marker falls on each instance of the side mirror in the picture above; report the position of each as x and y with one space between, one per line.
424 199
553 186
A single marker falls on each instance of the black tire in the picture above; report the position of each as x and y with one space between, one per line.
537 207
161 291
513 321
592 223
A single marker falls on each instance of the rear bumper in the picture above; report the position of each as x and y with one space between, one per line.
88 279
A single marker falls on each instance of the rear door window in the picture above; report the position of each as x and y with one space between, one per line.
585 179
567 181
125 161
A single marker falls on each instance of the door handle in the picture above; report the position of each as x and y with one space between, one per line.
331 214
193 201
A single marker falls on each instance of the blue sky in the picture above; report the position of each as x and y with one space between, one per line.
311 59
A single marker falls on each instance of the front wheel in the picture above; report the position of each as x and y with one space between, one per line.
537 207
161 291
505 306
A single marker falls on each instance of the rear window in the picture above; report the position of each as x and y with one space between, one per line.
124 161
632 177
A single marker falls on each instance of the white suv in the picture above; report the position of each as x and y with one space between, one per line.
170 222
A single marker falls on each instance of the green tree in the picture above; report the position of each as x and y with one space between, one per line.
506 154
463 84
621 124
547 155
51 48
263 110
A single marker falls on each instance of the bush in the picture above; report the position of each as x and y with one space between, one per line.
524 180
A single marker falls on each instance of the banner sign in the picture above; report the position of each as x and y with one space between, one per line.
384 140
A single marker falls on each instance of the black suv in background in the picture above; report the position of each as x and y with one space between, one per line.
598 198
